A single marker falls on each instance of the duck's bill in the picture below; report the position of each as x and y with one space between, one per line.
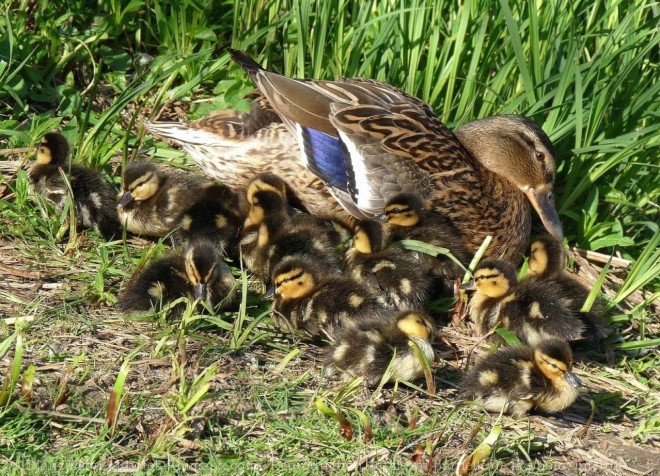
573 380
200 291
542 202
125 199
469 286
270 292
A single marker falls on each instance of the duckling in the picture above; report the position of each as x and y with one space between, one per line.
547 265
408 220
216 216
532 310
399 278
198 272
93 198
152 200
379 345
368 140
309 299
274 183
515 380
272 224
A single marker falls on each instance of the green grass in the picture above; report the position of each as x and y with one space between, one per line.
227 391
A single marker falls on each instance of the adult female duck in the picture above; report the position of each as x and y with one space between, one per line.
368 141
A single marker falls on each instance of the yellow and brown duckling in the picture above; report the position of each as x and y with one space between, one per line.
197 272
408 220
546 265
367 141
310 300
274 229
93 197
515 380
215 215
533 311
152 199
379 345
399 278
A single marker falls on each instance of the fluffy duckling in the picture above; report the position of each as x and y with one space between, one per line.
272 224
515 380
152 200
399 278
408 220
214 216
382 345
93 198
547 265
530 309
199 272
310 300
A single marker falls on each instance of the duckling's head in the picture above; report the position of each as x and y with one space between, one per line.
369 236
53 149
546 257
493 278
404 209
415 324
555 360
295 278
516 148
265 203
140 182
265 181
203 267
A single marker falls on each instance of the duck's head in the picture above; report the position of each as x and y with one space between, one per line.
204 267
295 278
369 236
140 182
554 359
415 324
404 209
53 149
492 278
516 148
264 204
546 257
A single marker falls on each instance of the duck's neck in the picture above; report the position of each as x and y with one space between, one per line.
505 206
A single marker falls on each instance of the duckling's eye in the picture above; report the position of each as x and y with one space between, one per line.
540 156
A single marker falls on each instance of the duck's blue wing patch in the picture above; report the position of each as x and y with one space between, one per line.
324 156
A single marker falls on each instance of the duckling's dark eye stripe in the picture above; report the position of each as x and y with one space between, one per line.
487 276
290 278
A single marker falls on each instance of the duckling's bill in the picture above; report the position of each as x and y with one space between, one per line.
573 380
125 199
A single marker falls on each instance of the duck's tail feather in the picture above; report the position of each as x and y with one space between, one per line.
245 61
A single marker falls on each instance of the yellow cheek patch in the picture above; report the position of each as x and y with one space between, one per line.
489 377
355 300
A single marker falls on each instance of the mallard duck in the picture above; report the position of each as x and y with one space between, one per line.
93 197
197 272
152 199
534 311
379 345
310 299
400 279
515 380
367 140
546 265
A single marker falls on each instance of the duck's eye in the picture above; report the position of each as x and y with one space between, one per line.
540 156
